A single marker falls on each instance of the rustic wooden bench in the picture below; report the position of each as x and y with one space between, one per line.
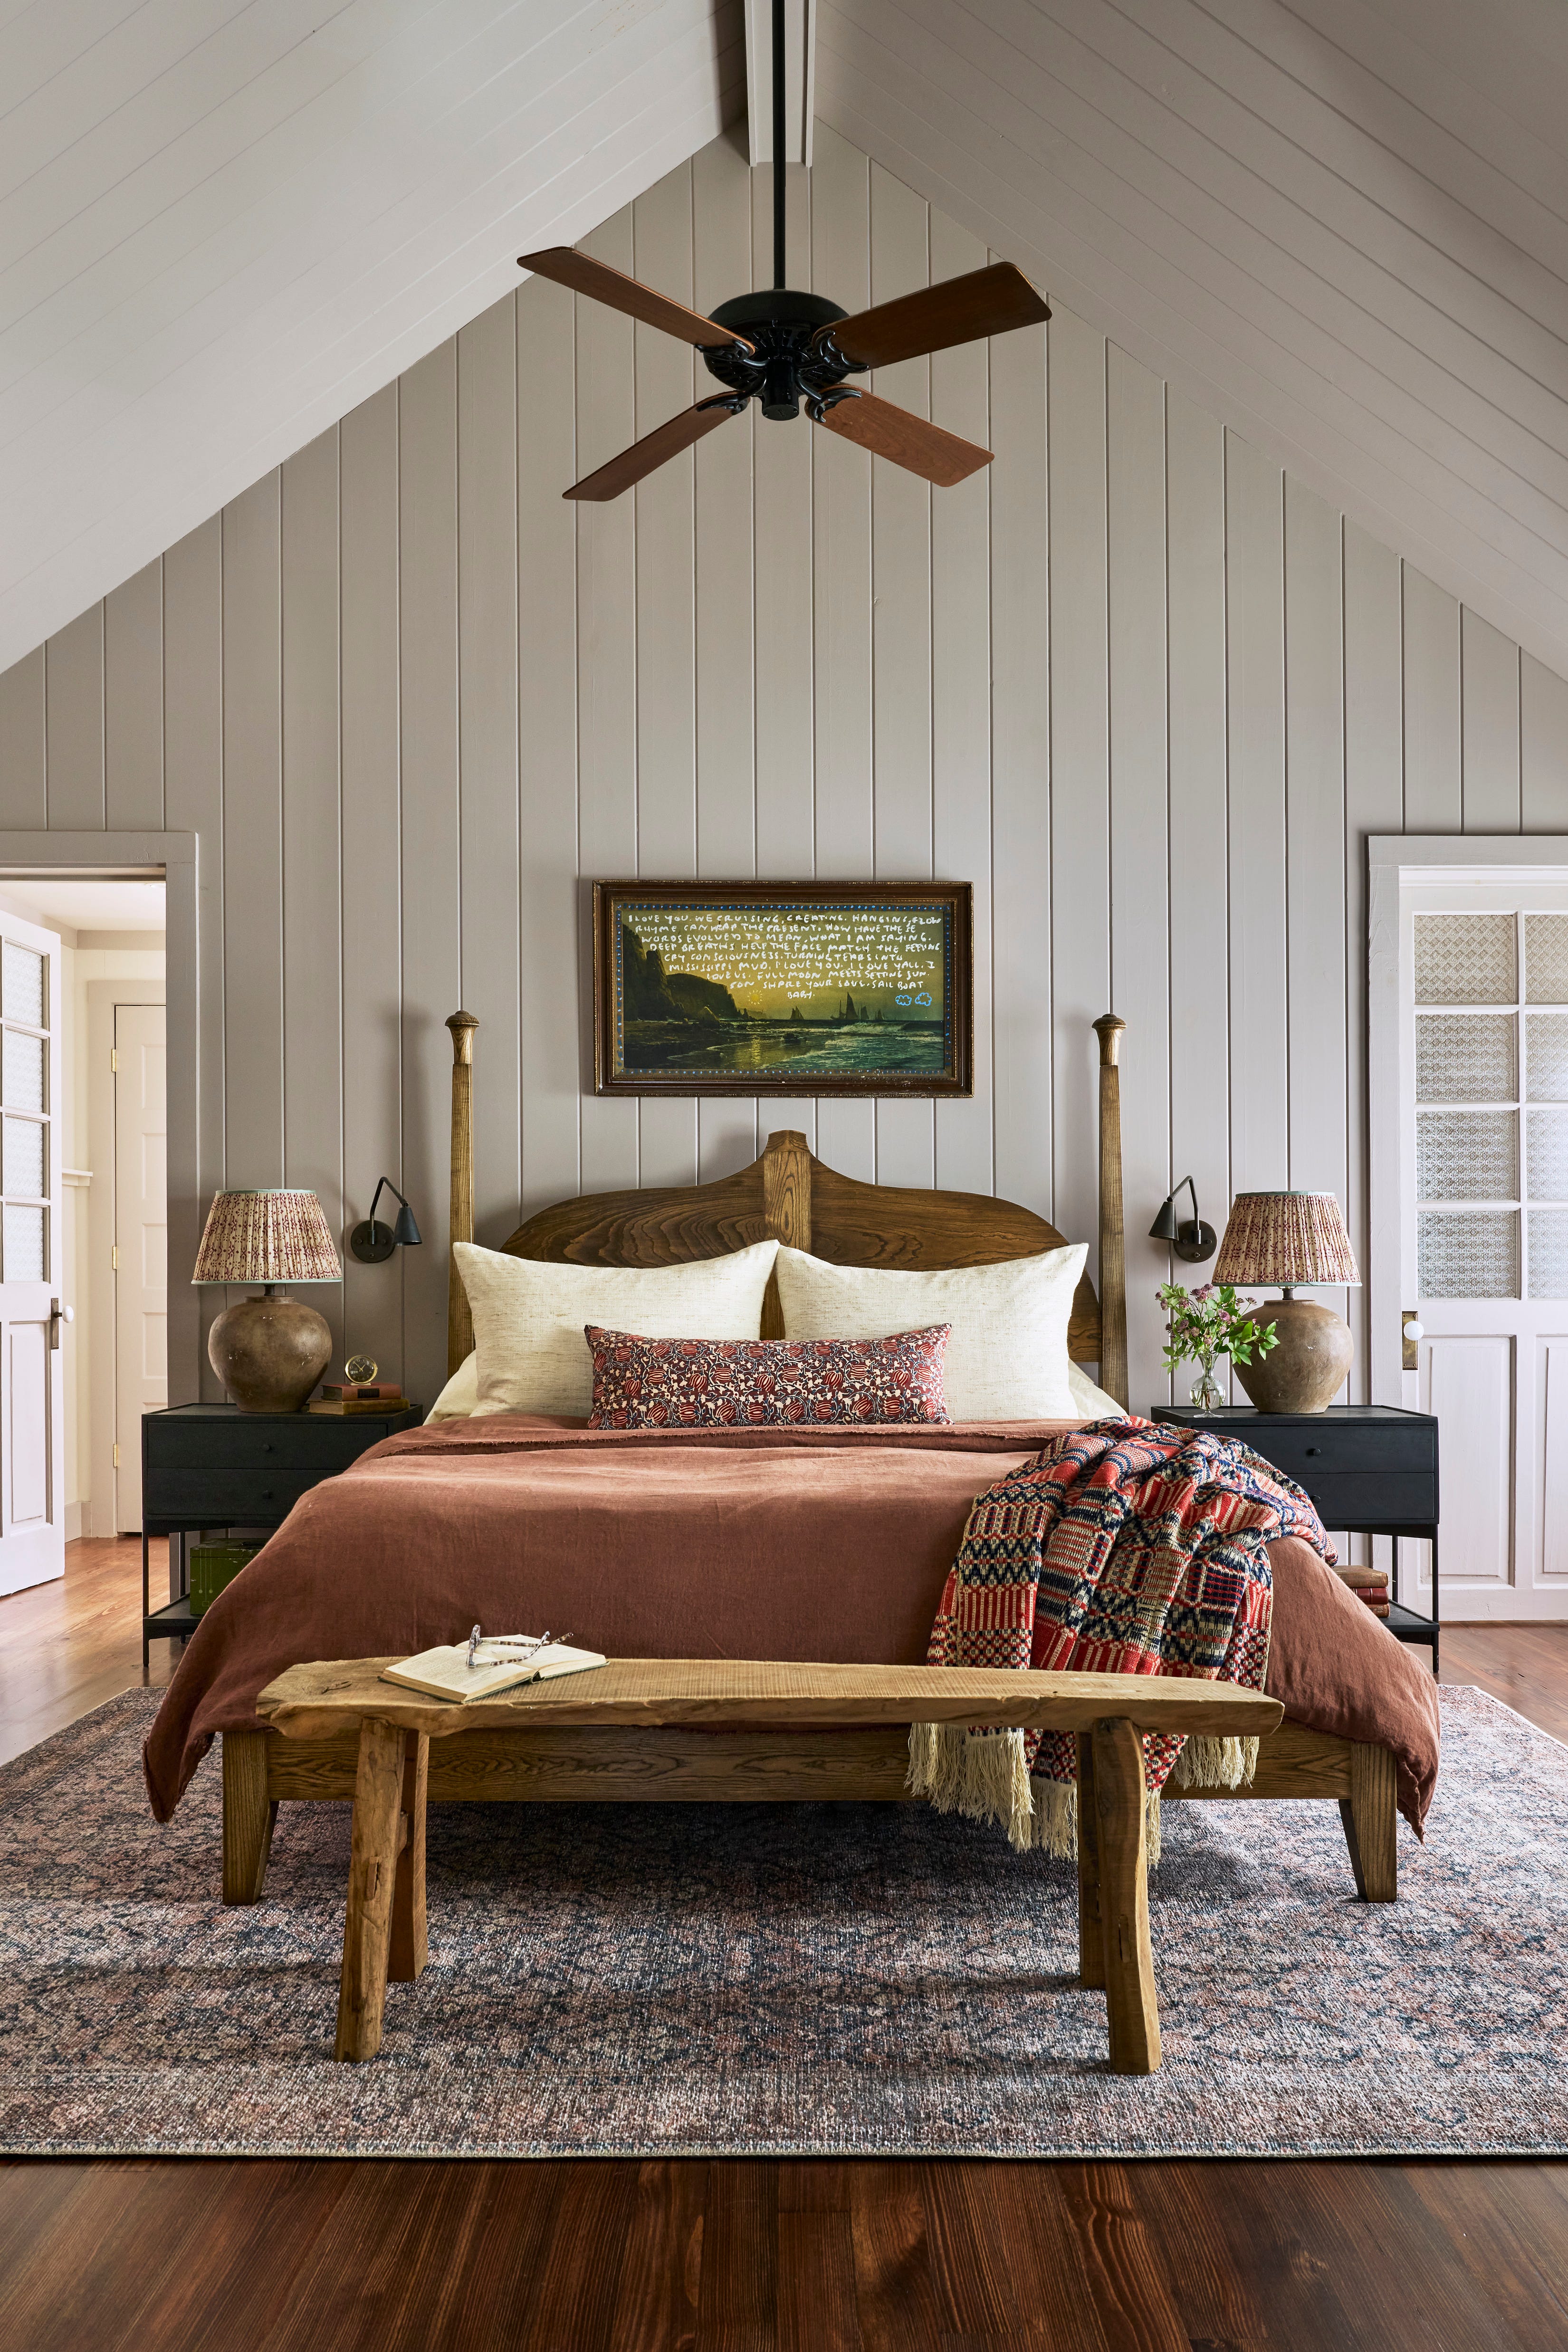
385 1928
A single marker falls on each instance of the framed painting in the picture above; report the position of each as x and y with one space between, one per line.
782 988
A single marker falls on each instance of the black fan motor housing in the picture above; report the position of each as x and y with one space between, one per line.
781 323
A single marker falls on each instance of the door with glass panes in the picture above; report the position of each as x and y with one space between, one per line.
32 1420
1486 1073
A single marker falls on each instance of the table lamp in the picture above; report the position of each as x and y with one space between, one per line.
270 1352
1291 1238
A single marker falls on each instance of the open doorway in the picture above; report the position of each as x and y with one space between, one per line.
101 1219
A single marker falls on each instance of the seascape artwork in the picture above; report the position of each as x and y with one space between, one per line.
795 996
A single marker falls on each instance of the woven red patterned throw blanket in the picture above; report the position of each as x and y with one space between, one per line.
1127 1548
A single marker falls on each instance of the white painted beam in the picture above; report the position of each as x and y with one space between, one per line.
800 78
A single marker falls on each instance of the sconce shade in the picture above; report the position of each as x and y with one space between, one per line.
267 1237
1194 1241
371 1241
1286 1238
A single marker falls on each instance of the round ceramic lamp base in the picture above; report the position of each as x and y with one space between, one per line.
1305 1369
269 1352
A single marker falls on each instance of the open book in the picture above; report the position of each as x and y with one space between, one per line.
445 1672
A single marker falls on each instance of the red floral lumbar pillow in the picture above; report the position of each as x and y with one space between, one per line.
736 1383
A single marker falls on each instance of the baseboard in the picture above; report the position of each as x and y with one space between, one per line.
76 1522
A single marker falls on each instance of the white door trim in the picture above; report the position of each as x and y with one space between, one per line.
1408 874
169 857
1393 860
102 996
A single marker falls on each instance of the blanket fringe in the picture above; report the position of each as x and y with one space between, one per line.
1205 1763
983 1775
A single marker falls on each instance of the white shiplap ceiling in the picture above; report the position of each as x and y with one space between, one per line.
1342 226
223 223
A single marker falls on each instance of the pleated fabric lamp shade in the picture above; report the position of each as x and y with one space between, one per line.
269 1351
1288 1238
267 1237
1291 1238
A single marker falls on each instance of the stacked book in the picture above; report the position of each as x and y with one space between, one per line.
1368 1584
360 1396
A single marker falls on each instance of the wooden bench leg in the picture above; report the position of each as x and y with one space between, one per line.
1131 2009
409 1950
373 1873
247 1816
1090 1927
1371 1819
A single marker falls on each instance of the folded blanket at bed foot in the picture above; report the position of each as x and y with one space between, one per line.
1125 1547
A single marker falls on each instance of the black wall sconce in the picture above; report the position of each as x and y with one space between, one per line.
370 1242
1194 1241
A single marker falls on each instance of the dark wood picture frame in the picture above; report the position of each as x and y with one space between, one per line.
953 899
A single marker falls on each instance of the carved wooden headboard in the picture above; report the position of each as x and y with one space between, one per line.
791 1195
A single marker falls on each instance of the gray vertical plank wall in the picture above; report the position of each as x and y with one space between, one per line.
1145 694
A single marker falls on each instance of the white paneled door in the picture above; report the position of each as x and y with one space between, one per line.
140 1245
1483 1063
32 1410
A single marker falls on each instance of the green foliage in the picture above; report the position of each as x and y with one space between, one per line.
1209 1322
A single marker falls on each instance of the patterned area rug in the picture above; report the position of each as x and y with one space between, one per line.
740 1979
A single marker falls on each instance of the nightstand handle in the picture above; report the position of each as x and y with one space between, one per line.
1314 1449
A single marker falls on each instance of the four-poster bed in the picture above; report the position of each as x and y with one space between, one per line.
790 1194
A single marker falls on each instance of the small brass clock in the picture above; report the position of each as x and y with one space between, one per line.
361 1368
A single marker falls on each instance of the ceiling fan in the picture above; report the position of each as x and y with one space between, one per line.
781 347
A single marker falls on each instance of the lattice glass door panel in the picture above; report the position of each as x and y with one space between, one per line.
1465 959
26 1045
1468 1228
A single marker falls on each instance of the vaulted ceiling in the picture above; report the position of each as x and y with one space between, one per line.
1342 226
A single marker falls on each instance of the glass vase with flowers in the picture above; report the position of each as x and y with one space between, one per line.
1205 1324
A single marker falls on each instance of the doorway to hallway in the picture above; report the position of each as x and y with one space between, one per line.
104 1224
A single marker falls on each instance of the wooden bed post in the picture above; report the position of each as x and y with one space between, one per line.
1112 1234
460 1321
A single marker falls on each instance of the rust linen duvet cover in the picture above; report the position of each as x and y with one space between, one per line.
828 1544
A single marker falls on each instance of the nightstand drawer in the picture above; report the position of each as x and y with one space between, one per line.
314 1443
226 1498
1311 1450
1366 1500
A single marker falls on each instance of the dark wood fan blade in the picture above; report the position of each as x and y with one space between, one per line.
960 310
891 432
664 442
622 293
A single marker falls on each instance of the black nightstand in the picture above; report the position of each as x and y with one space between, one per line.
1370 1469
211 1465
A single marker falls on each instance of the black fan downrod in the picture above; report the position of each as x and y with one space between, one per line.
782 322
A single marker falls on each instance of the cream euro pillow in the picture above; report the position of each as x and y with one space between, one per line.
1007 1352
1092 1404
461 1393
528 1318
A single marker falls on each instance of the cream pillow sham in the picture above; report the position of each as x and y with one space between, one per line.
1007 1355
1092 1404
528 1318
461 1393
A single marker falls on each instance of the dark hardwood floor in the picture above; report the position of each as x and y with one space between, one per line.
275 2256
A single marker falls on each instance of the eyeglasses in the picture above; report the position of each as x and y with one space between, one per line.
507 1647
